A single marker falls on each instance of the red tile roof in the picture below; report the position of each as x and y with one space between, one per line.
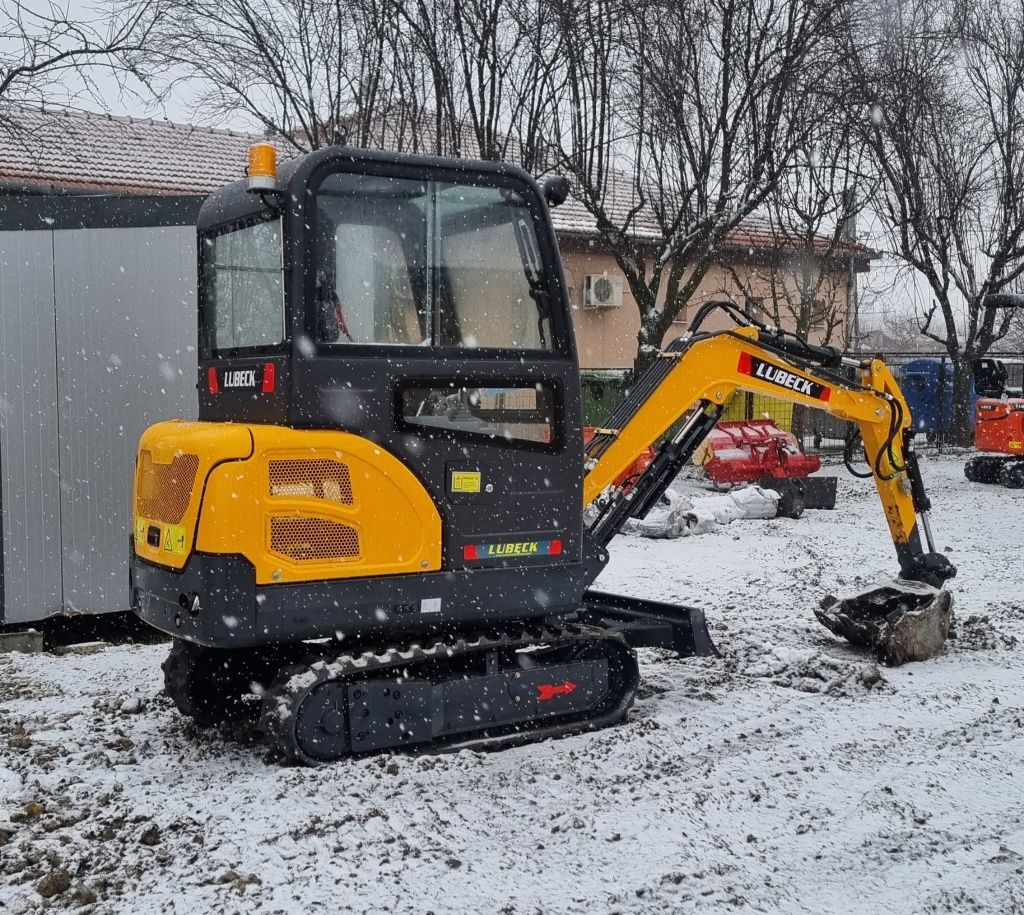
79 150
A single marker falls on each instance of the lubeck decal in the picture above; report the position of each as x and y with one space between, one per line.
516 548
783 378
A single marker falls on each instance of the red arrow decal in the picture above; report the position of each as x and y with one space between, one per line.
547 691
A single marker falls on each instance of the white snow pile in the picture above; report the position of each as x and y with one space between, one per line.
787 775
687 515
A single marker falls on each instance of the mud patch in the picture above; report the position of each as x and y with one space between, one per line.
979 633
13 686
818 673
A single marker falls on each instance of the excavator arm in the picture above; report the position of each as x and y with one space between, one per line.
694 379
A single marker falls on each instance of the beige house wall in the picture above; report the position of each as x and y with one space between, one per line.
606 337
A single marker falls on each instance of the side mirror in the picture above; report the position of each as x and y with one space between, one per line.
1003 300
556 189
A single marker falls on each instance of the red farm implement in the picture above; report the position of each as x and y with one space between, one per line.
758 451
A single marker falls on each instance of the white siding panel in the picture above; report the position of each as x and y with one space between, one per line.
29 468
126 335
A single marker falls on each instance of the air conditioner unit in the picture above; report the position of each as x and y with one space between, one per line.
602 291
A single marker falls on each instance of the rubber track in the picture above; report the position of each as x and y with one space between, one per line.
294 683
210 685
178 668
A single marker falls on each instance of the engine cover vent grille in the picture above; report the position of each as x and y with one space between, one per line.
313 539
327 480
164 490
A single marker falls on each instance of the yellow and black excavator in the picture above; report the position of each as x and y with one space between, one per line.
374 537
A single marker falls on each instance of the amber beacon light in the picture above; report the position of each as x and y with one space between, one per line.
262 171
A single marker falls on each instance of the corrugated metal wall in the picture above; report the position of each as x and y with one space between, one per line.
126 333
30 490
104 322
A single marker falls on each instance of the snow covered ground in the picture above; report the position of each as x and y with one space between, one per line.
788 775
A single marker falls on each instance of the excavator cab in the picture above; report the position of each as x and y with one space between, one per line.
419 306
379 517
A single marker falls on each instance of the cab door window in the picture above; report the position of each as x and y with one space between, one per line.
371 262
502 413
489 272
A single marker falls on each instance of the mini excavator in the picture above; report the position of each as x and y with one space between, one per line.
374 536
999 417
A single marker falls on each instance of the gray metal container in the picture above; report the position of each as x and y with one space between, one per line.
97 341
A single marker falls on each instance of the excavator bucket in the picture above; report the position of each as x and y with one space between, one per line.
899 621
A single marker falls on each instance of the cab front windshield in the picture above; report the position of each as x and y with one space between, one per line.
428 263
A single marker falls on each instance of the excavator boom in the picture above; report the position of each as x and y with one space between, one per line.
695 378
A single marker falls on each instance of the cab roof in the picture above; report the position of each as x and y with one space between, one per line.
235 203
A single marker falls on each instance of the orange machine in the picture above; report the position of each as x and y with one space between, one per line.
998 431
999 417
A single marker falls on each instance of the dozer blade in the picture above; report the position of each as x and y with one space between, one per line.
650 623
899 620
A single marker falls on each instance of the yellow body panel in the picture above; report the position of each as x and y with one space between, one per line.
173 461
300 505
709 371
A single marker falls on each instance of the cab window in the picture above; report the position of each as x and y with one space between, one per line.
243 288
506 413
428 263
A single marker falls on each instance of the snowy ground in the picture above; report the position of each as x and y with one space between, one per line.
783 776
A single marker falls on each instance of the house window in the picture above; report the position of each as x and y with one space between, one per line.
819 313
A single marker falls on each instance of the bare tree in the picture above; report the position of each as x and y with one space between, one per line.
677 125
454 77
902 332
803 274
942 89
805 278
44 48
494 65
309 71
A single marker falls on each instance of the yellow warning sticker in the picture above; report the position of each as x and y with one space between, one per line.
173 539
465 481
1016 446
140 530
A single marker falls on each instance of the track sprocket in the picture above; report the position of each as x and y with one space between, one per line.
213 685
